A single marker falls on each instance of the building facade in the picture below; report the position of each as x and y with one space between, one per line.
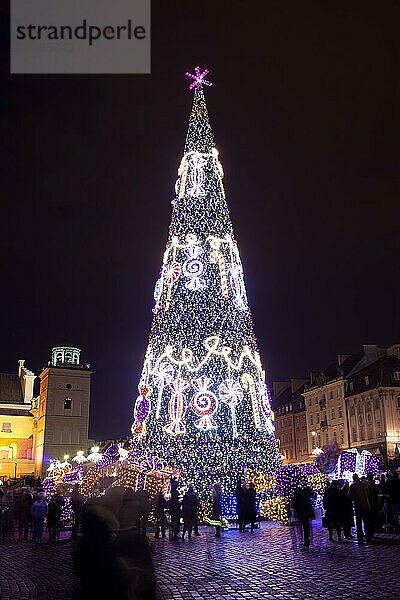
37 429
62 412
355 402
16 422
290 420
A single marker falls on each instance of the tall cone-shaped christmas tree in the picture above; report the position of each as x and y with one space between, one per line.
203 405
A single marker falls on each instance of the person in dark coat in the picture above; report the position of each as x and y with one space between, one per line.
77 501
53 518
333 504
189 508
240 493
250 511
174 509
160 504
348 512
374 514
361 496
24 514
216 508
304 510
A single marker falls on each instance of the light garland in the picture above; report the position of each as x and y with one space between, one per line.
205 409
275 509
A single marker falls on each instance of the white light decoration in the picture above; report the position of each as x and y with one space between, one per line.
79 458
209 414
94 455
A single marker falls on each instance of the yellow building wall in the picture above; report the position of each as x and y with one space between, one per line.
16 446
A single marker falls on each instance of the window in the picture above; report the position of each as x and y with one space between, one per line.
312 419
317 417
340 410
341 438
68 386
67 404
333 413
6 428
366 379
330 395
335 437
396 375
316 400
354 434
351 386
309 402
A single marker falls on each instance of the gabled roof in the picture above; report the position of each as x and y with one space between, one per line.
10 389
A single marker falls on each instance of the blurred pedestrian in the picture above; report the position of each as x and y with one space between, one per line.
304 509
240 494
53 517
333 510
348 512
374 497
361 496
216 508
189 506
174 509
160 504
250 510
77 501
38 512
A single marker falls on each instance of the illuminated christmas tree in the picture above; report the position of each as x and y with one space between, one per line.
203 405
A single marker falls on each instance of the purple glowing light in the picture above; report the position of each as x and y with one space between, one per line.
198 78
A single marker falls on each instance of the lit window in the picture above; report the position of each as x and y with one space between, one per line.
67 404
6 428
366 381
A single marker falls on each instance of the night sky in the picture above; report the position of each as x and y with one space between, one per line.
305 112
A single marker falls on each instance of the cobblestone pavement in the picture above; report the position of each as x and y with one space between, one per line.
268 564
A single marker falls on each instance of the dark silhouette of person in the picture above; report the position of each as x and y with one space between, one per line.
361 496
24 513
160 504
240 493
53 518
348 512
250 511
333 505
374 511
77 501
189 508
144 503
174 510
216 508
304 510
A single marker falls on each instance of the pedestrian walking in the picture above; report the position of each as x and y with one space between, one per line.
361 497
216 508
240 494
333 506
77 501
39 512
250 511
53 518
189 507
305 511
348 512
160 504
174 509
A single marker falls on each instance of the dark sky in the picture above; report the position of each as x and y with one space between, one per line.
305 111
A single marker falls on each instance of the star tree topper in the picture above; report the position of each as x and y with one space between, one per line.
198 78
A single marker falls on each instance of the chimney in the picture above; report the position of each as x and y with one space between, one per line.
21 364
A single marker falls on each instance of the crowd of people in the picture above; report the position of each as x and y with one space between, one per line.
26 510
369 506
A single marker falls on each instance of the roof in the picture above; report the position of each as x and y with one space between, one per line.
10 389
